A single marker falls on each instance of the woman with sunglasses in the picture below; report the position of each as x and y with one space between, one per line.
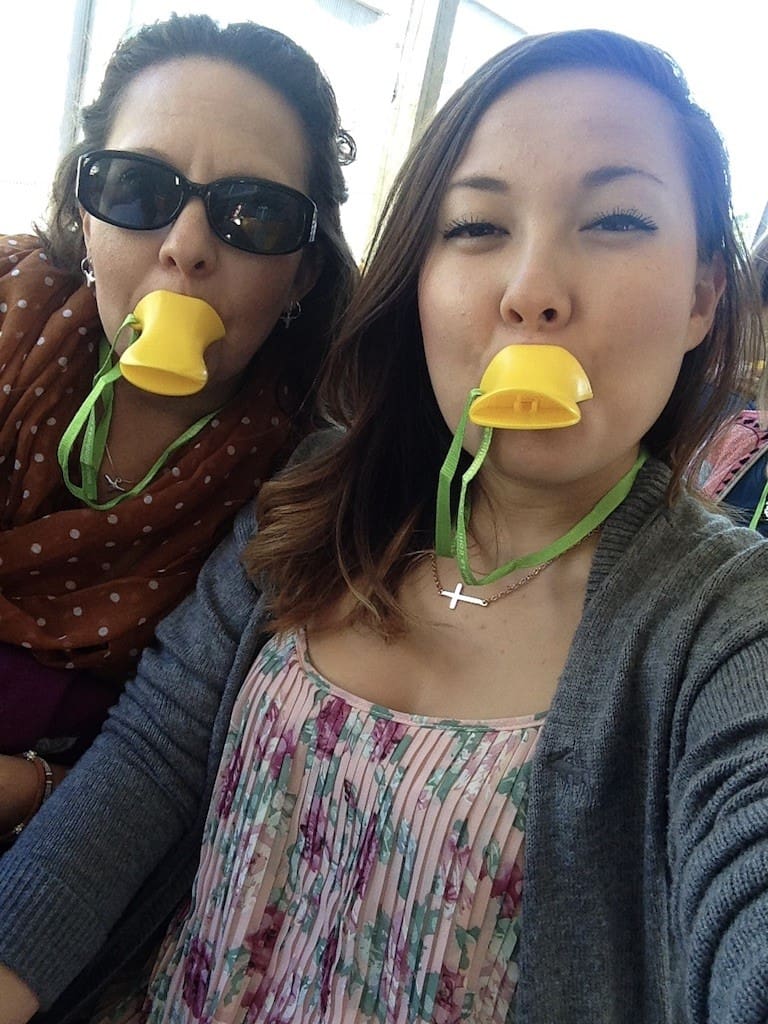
503 756
209 171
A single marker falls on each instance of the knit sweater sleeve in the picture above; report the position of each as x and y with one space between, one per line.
135 793
718 828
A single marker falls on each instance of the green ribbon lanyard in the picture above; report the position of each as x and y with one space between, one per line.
93 420
759 509
451 541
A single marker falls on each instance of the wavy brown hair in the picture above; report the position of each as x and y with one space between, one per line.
356 515
293 73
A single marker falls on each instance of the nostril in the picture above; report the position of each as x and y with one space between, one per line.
549 314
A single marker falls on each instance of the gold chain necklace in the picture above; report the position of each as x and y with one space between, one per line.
455 596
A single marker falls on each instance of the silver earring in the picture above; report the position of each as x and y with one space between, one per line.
87 268
292 313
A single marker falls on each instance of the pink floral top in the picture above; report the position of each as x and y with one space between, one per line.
359 864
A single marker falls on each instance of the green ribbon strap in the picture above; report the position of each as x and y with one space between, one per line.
759 509
451 539
93 420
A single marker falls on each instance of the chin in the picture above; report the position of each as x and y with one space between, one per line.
538 443
541 456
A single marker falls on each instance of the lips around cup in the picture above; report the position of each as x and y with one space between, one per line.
531 387
167 357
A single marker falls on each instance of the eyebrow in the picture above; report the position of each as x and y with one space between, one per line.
593 179
605 175
481 182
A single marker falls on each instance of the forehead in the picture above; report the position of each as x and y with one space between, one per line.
211 118
559 121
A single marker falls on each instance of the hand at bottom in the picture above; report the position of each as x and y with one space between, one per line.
17 1001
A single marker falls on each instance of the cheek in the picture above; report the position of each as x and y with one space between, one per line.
664 338
453 373
119 265
113 297
448 300
645 324
455 331
256 301
266 283
445 315
664 299
117 253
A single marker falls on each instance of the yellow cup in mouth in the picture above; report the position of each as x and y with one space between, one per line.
531 387
167 357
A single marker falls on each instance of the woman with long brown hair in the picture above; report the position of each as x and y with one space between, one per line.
502 756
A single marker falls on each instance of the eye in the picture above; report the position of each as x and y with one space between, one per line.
128 183
470 228
136 177
621 221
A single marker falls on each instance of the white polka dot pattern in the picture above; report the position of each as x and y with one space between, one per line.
92 585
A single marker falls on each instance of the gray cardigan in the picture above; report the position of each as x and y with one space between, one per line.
646 878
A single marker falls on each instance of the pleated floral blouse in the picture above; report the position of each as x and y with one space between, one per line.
359 864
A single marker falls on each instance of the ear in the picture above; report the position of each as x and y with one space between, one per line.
85 220
707 290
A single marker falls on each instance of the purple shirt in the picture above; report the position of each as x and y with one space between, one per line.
54 711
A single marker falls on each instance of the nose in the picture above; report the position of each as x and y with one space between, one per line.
536 294
190 245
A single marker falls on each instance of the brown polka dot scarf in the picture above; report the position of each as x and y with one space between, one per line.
83 588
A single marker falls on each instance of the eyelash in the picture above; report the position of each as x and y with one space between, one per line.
633 220
469 228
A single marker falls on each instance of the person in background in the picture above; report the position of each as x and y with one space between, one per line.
502 756
85 575
734 471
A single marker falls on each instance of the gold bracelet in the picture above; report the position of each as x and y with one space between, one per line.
43 791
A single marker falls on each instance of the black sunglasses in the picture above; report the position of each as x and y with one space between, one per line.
140 193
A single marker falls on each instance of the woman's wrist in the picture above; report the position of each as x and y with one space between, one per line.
32 797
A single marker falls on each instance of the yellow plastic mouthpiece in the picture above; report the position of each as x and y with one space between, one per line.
531 387
167 357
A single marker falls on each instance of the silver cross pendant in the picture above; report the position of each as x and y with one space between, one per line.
454 596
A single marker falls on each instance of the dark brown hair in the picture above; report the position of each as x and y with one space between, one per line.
292 72
359 514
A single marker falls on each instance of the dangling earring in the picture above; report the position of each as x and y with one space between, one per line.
87 268
292 313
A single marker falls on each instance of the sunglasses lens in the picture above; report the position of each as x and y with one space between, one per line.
129 192
259 217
